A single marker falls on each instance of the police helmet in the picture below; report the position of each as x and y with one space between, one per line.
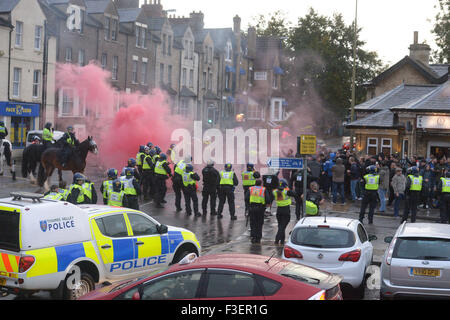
141 148
250 166
112 173
372 169
146 150
117 185
36 138
69 128
210 163
150 145
48 125
256 175
414 170
158 150
189 168
2 123
152 152
132 162
77 177
172 146
162 156
228 166
283 184
129 172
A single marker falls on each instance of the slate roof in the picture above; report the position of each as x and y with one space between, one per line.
5 23
220 37
8 5
179 30
397 96
96 6
128 15
382 119
156 24
185 92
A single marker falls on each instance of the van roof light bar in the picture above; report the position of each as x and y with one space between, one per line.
36 197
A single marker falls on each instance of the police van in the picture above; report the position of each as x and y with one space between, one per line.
66 249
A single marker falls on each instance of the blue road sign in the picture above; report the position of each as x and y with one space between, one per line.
285 163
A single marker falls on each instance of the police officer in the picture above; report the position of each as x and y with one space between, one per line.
54 194
170 153
314 199
47 135
69 142
89 192
211 181
116 196
413 191
297 184
148 167
257 198
3 131
248 180
371 183
131 164
190 189
131 188
108 184
76 192
162 173
63 190
228 181
271 182
443 188
282 197
139 157
177 180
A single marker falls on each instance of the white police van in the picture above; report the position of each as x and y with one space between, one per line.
31 134
66 249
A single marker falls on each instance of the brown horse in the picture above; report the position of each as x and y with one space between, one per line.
50 161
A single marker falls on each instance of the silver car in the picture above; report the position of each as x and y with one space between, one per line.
417 262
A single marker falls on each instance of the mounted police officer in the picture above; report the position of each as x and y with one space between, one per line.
108 184
177 180
3 131
443 188
69 142
211 181
228 182
371 183
257 198
47 135
190 179
414 184
131 188
162 173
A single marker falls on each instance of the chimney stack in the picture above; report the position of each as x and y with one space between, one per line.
419 51
196 21
154 9
251 42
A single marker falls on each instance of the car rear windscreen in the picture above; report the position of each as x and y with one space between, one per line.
9 230
422 249
323 237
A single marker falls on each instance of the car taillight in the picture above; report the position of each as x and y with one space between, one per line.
25 263
352 256
321 295
292 253
390 252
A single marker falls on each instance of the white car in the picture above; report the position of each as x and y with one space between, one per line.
336 245
30 135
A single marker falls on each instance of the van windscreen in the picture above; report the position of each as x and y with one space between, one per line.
9 230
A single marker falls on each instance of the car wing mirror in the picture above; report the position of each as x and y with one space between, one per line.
136 296
162 229
372 237
388 239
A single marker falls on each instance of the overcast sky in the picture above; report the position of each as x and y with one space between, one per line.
388 25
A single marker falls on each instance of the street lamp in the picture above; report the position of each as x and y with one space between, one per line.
354 74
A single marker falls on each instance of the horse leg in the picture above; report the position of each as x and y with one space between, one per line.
60 175
32 170
49 174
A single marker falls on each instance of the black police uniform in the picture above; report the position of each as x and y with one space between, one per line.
177 184
412 201
211 181
297 184
190 193
270 182
226 193
160 185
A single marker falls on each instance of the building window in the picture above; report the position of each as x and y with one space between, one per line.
191 50
107 27
405 148
144 73
227 80
184 78
140 37
229 50
67 104
104 61
135 72
210 81
169 46
372 146
169 75
186 49
205 80
164 43
16 82
19 33
253 112
275 81
277 111
36 83
71 103
191 78
37 38
82 21
68 56
210 55
114 25
386 146
161 73
115 68
81 58
184 108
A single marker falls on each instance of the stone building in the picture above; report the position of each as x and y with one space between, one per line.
408 109
27 62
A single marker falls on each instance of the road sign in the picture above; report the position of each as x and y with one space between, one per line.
285 163
308 144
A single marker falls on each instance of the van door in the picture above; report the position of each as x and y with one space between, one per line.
152 247
115 244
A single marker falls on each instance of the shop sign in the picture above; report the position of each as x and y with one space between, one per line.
433 122
17 109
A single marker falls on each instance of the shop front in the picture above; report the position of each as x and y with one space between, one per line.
19 118
433 135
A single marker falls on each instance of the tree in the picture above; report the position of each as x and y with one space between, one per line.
442 31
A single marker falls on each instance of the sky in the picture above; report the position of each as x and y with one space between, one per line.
387 25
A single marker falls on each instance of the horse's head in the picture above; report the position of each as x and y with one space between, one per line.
92 146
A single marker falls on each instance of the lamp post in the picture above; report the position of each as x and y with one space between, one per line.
352 117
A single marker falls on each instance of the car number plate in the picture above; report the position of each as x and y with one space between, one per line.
426 272
2 281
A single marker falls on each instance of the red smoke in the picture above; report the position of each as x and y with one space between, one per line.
118 134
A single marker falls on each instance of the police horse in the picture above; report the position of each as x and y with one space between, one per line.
50 160
5 154
31 157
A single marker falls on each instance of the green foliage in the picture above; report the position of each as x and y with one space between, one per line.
442 31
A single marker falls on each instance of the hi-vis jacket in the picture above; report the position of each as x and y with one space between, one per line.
46 239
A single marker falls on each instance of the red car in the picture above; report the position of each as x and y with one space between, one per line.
227 277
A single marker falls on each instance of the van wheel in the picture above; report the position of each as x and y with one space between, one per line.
87 284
